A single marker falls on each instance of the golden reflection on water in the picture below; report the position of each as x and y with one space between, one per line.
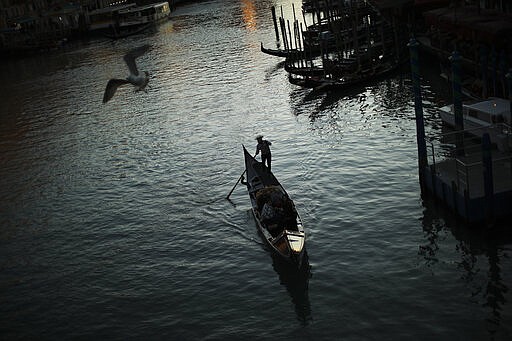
167 28
249 14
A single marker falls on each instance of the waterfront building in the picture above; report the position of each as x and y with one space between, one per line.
30 26
35 25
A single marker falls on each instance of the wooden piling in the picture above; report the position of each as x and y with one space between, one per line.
317 12
454 192
494 66
502 70
418 110
301 53
483 66
274 19
395 36
283 32
294 27
290 33
303 47
488 177
509 81
356 38
457 101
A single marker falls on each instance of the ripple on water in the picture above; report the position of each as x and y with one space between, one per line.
114 218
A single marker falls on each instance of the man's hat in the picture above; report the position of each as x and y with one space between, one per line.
259 137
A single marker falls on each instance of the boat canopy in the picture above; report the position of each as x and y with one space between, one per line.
493 107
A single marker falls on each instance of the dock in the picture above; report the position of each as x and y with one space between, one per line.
461 169
463 183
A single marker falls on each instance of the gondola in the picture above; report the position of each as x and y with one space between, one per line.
284 233
280 53
349 80
311 71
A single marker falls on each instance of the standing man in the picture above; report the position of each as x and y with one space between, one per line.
264 146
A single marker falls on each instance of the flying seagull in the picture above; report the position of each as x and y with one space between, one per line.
138 80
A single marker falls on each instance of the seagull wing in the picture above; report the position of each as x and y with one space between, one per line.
111 88
130 57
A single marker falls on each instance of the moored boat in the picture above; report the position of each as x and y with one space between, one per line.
141 15
280 53
282 230
347 80
306 71
492 116
124 20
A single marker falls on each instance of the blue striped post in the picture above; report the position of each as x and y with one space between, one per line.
509 81
483 67
508 78
488 177
502 65
494 67
455 59
418 110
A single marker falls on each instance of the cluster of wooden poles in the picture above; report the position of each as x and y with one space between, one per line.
338 31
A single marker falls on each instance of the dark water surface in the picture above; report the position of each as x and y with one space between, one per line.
114 223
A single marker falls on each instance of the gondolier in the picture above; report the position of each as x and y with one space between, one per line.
264 147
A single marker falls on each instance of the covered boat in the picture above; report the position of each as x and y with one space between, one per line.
490 116
274 212
125 20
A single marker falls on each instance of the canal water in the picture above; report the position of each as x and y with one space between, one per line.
114 222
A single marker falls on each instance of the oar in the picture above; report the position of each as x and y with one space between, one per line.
240 178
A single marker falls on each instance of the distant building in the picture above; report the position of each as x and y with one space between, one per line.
28 25
32 25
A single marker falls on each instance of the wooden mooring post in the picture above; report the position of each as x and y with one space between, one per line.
274 19
455 59
488 178
509 81
483 68
418 111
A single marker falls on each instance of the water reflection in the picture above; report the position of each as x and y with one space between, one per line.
296 282
391 94
249 14
387 95
482 255
274 70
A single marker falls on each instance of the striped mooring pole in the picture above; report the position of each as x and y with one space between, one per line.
455 59
509 81
488 178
